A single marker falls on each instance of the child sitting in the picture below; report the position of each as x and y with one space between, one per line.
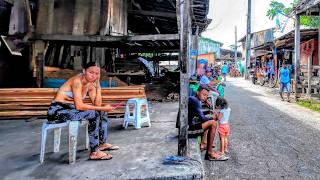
224 126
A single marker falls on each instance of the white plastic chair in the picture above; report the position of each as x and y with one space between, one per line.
136 117
73 137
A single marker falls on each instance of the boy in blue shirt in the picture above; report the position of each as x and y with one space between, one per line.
224 71
285 79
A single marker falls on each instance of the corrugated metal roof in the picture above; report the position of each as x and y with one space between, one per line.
262 37
207 45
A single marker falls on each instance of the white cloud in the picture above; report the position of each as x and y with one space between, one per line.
226 14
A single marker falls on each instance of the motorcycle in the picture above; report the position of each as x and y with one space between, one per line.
253 76
270 80
263 77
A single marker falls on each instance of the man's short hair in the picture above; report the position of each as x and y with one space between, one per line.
208 70
202 87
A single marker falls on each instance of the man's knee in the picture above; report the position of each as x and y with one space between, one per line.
213 124
92 114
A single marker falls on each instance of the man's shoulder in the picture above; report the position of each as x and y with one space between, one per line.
193 100
203 77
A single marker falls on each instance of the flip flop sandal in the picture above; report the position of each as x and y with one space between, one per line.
220 158
105 157
111 148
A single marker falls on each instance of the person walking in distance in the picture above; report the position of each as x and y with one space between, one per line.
284 74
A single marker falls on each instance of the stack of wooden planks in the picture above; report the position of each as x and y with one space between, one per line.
54 72
17 103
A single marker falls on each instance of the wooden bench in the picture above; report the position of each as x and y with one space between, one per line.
17 103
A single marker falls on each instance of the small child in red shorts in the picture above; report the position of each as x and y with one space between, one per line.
224 125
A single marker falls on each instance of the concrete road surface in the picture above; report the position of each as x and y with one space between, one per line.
270 139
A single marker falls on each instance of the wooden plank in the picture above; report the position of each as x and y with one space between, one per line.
34 102
81 12
64 16
22 113
171 15
94 17
36 90
20 108
39 99
44 24
116 20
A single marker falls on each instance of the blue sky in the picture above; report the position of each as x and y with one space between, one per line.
226 14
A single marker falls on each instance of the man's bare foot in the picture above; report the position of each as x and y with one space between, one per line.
108 147
98 155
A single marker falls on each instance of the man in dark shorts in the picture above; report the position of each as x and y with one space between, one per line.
197 121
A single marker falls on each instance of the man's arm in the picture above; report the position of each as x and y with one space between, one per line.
98 99
198 109
80 105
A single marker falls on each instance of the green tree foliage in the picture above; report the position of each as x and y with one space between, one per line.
310 21
275 7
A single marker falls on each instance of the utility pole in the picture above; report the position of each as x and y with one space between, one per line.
184 19
296 54
235 44
248 39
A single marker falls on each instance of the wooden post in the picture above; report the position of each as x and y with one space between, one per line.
184 58
275 65
40 68
28 16
296 54
235 44
318 51
194 58
309 74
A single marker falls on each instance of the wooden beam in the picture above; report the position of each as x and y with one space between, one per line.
76 38
94 39
155 37
153 13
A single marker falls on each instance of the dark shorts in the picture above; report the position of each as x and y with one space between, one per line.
195 127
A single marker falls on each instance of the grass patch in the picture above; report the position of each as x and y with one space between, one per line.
313 105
